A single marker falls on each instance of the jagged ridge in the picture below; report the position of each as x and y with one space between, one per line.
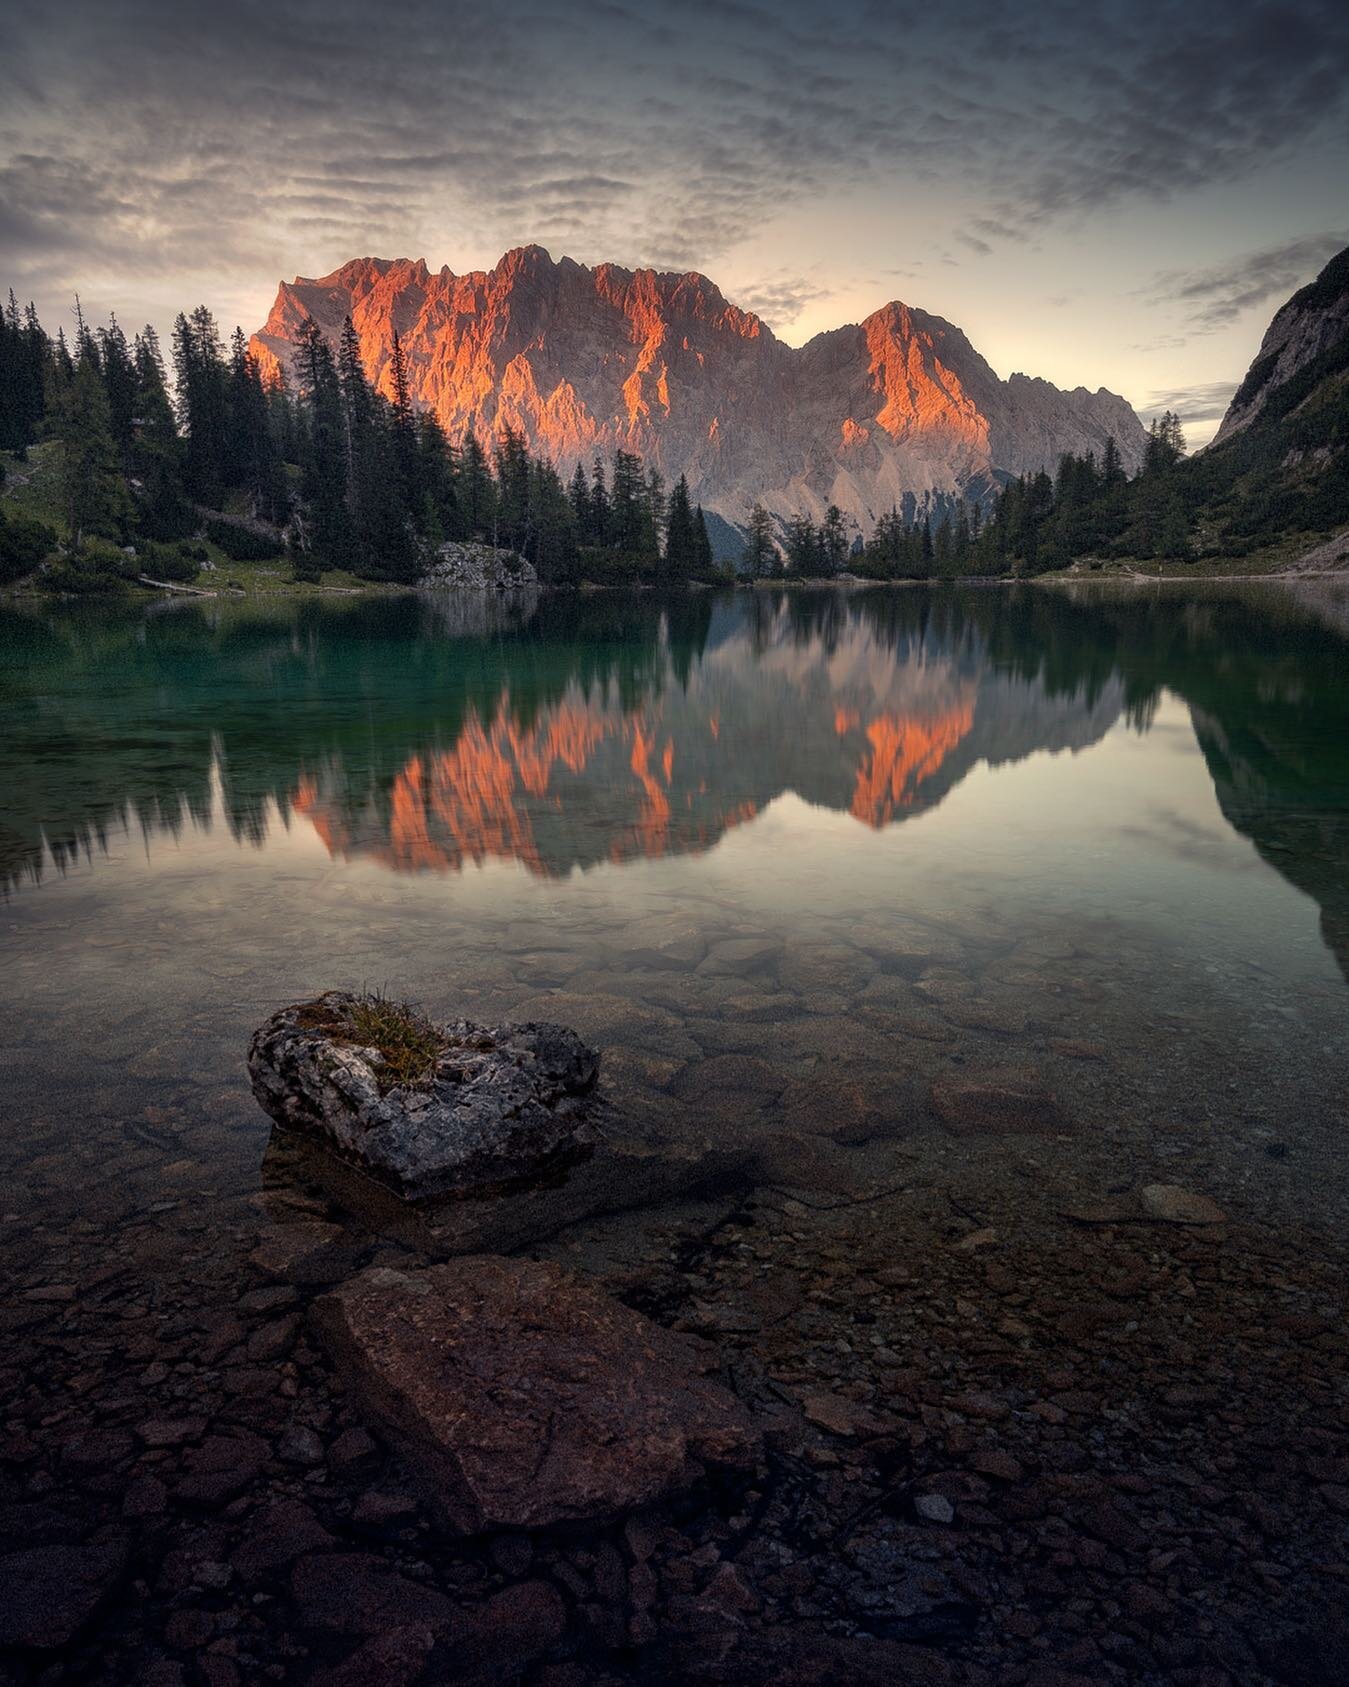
886 412
1313 321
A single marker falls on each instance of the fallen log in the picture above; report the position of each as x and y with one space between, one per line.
170 586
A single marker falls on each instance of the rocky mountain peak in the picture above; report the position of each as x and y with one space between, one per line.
895 411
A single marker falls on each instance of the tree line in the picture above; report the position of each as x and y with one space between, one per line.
322 468
1033 524
167 454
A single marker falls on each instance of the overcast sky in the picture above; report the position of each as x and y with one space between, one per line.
1107 194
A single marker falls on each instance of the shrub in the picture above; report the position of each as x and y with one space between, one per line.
169 562
23 544
241 544
99 567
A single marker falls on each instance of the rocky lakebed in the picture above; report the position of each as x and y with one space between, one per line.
491 1381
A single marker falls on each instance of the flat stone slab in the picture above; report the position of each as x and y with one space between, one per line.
1171 1204
523 1396
505 1104
1001 1101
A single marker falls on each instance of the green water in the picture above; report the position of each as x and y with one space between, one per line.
756 847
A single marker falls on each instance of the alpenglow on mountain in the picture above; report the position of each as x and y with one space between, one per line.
891 412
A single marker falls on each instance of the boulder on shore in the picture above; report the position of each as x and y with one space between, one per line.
526 1397
478 568
501 1105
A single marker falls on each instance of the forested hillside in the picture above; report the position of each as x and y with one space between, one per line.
115 473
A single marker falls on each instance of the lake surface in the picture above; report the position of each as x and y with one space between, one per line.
788 859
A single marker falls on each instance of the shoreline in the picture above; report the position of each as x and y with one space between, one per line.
299 593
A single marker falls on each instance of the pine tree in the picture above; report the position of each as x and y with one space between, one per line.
156 452
579 494
833 541
601 512
404 427
253 461
942 547
653 518
629 509
761 554
681 539
477 494
702 544
325 537
62 364
514 524
20 406
1166 444
199 369
379 541
553 549
119 381
802 542
93 493
438 516
357 414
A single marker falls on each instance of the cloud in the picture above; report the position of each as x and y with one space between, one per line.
1219 295
208 140
780 299
1206 402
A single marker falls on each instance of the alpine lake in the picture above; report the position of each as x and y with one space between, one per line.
952 920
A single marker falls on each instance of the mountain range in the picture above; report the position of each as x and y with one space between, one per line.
899 410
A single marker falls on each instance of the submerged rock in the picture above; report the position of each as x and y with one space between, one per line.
1171 1204
1002 1101
500 1104
525 1396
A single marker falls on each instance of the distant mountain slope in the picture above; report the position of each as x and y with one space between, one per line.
898 410
1274 485
1279 467
1313 322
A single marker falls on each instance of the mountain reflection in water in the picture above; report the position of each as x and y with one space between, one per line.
426 734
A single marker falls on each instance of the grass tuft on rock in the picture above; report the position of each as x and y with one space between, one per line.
409 1043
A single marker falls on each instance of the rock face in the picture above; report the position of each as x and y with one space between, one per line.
526 1397
507 1103
582 361
1314 320
479 568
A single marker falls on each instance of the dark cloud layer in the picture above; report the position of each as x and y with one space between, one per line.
1213 297
225 139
